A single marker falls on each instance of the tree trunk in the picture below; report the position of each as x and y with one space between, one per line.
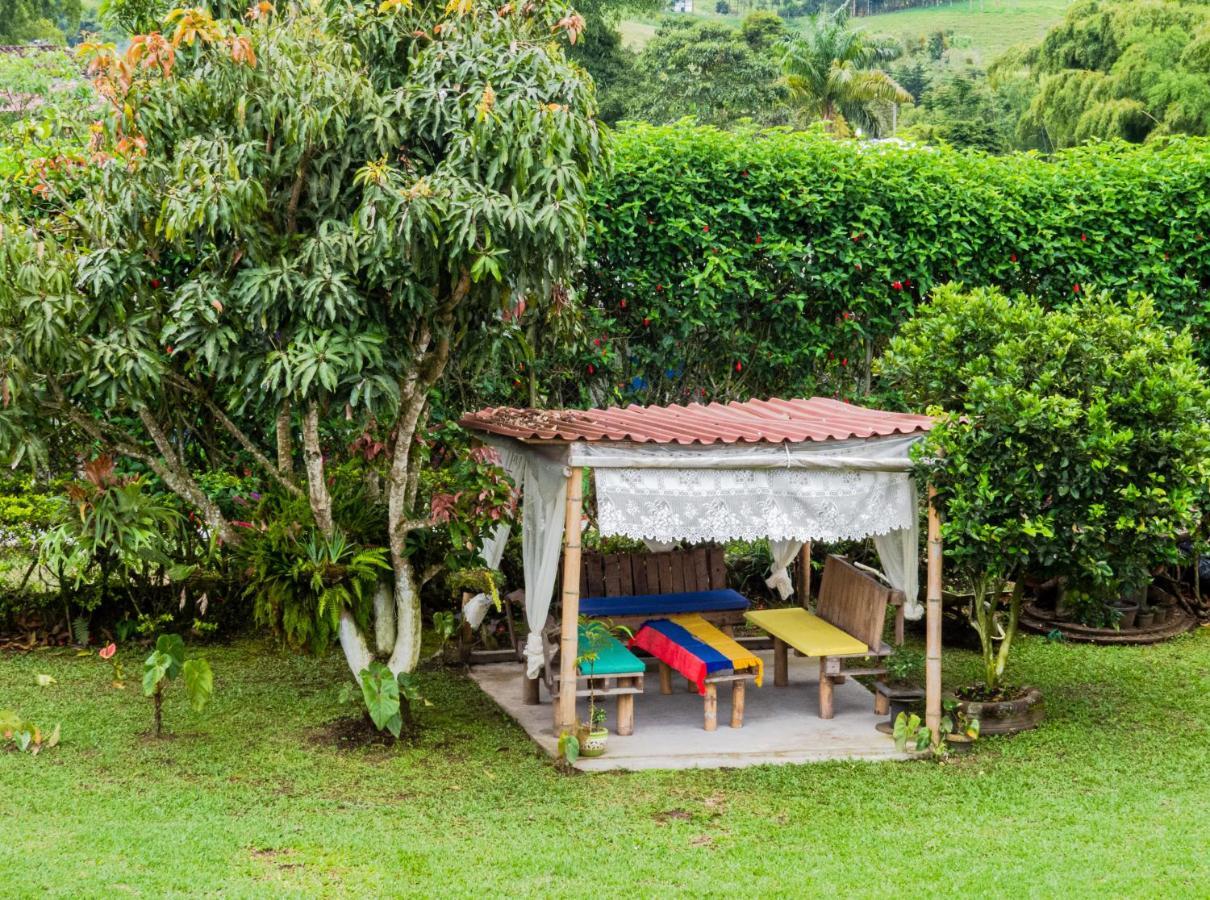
384 617
353 643
406 652
158 697
317 485
285 440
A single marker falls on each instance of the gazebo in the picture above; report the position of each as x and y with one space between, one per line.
792 471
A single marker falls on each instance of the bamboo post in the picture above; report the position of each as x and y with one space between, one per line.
804 575
932 625
570 615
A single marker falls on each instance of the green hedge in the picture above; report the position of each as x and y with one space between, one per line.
742 263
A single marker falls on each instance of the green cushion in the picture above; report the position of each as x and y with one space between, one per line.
612 657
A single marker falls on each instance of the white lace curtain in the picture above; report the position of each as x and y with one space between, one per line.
788 494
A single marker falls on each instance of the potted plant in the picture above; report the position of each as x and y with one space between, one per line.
1050 455
901 683
961 729
590 738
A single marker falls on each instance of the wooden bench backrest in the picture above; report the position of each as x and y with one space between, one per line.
623 574
853 601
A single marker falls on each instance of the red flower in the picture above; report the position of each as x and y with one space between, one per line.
739 367
596 342
1083 236
622 304
591 368
1012 257
907 283
169 349
659 287
705 229
744 174
897 285
758 239
1075 289
108 650
646 322
845 361
155 282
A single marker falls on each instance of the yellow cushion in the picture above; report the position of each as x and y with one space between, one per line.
806 632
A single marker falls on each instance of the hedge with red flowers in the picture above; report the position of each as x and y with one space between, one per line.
731 264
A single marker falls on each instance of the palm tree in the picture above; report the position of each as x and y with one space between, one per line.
828 71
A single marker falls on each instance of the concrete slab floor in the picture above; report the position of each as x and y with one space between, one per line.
781 725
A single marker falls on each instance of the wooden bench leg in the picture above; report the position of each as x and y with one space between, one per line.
781 674
711 707
529 690
825 690
899 625
626 708
882 706
665 678
737 704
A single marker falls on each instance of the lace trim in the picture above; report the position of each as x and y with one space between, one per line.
748 504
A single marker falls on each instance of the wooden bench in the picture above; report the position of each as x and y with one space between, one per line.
615 672
848 623
698 637
646 575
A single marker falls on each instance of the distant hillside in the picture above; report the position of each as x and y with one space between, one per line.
991 25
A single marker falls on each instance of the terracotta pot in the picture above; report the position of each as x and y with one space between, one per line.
1007 716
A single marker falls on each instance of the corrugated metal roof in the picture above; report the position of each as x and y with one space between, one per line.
753 421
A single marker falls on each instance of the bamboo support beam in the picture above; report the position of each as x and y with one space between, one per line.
570 615
932 627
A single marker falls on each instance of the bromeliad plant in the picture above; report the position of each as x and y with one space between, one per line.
168 663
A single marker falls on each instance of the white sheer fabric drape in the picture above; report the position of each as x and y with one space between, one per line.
542 478
783 553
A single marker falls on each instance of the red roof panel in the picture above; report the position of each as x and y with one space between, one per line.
753 421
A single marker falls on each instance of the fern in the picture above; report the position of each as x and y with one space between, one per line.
80 630
301 583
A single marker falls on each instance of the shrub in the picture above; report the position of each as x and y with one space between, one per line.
770 263
1070 443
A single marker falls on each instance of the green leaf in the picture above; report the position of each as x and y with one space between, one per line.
199 683
155 668
381 693
172 646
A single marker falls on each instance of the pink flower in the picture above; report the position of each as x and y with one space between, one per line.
108 651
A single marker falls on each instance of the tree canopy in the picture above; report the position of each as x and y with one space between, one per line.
301 212
1134 69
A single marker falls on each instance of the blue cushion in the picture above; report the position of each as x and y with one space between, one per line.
664 604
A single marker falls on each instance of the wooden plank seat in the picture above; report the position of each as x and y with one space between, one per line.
630 588
613 672
848 623
705 656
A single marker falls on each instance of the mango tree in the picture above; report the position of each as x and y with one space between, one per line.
298 213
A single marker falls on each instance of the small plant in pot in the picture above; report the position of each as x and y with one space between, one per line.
592 738
901 683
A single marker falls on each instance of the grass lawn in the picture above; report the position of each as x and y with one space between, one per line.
1108 797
